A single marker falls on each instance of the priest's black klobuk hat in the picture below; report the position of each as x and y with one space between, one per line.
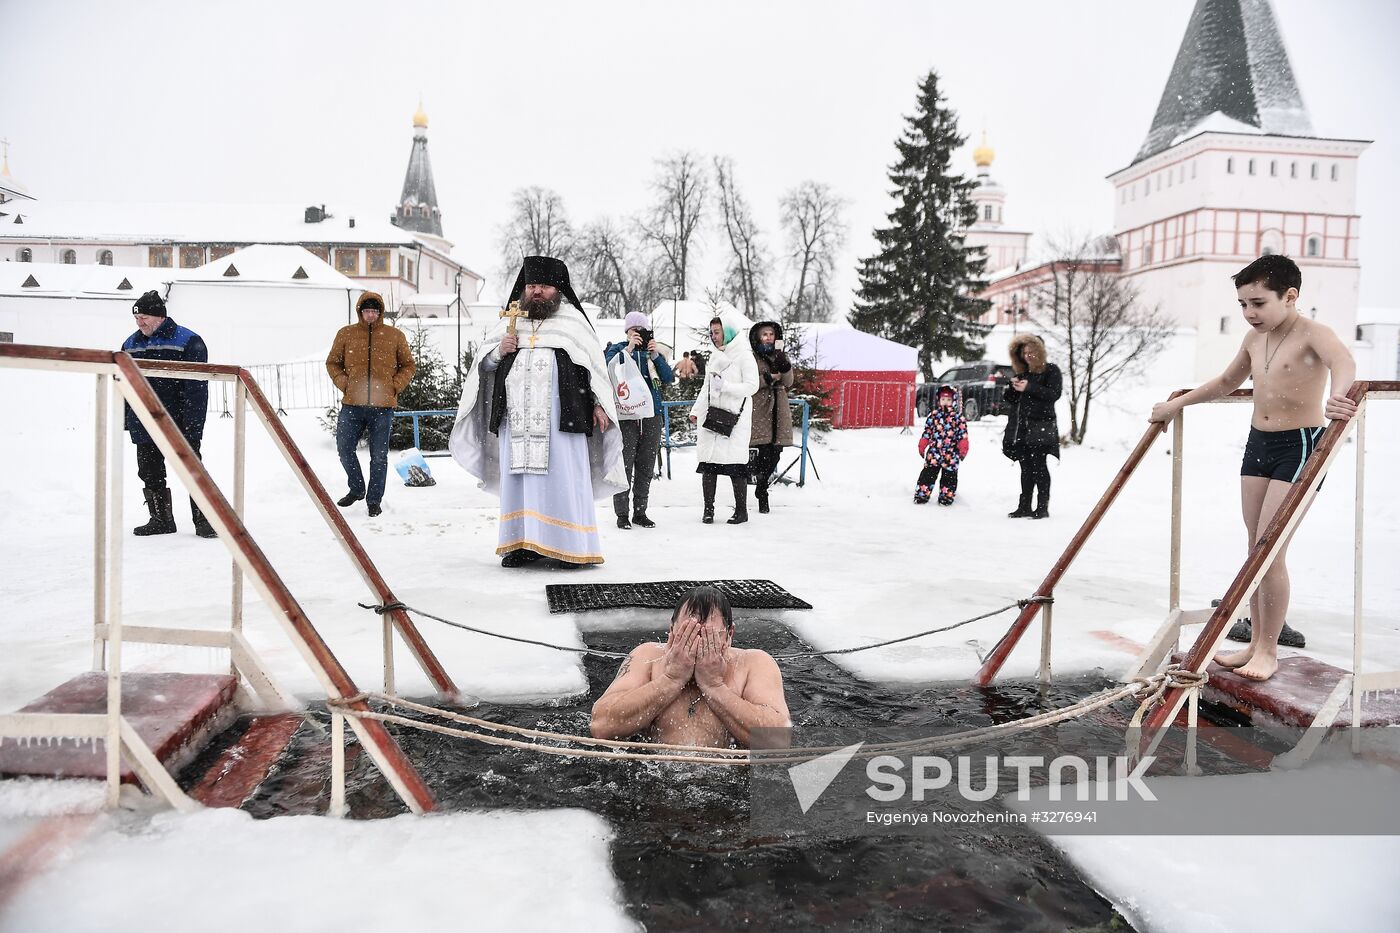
544 270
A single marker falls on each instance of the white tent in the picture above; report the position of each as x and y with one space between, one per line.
684 326
842 348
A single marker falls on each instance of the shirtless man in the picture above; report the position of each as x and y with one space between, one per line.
696 689
1290 358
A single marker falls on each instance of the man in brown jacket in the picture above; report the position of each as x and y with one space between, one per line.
371 364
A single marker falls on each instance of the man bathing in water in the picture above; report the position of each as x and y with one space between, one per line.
697 688
1290 359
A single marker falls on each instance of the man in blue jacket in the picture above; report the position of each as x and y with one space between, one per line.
158 337
640 439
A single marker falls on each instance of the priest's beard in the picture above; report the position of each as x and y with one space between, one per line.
541 310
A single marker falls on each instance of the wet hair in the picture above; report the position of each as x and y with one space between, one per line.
1277 273
704 600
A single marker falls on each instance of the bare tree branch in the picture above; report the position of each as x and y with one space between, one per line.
538 226
682 191
1094 319
812 220
746 275
615 271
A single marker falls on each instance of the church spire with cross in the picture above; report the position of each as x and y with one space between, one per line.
1232 62
418 207
10 189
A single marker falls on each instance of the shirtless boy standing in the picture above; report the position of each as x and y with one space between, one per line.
1290 359
697 688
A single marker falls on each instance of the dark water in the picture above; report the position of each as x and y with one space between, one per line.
683 852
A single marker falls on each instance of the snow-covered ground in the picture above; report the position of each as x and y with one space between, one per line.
872 564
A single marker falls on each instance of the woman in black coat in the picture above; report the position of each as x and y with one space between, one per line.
1032 434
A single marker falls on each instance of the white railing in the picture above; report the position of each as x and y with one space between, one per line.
120 371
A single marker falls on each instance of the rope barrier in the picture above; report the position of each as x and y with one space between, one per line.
595 652
1175 676
587 747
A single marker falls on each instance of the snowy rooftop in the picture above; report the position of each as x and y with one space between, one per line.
1232 61
1218 122
72 280
115 222
255 265
266 264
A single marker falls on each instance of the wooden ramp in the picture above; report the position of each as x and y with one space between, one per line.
245 764
175 714
1295 696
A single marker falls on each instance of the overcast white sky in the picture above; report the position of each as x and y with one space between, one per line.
311 102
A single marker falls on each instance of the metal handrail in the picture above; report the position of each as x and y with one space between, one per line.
668 444
427 413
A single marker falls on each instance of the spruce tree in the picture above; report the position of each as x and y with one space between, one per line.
917 289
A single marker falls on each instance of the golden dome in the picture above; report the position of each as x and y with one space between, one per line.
420 119
984 154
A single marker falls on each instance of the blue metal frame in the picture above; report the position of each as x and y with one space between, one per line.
669 444
431 413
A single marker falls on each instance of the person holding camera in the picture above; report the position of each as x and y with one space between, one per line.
1032 433
772 415
724 416
640 439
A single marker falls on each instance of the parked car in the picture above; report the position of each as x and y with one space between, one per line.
981 383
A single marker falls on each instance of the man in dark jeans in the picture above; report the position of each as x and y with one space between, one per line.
158 337
371 364
641 440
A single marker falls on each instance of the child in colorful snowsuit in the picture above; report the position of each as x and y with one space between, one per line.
943 445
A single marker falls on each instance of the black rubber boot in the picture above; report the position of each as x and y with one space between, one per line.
741 500
1023 505
1288 637
162 520
1042 506
708 482
201 524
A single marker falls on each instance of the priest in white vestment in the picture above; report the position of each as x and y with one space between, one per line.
537 423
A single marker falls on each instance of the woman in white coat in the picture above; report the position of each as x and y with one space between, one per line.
731 379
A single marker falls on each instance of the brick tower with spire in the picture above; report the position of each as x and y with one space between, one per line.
1231 168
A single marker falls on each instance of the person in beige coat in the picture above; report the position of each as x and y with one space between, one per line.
772 415
370 364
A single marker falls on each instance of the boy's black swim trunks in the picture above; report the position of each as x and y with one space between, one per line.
1279 454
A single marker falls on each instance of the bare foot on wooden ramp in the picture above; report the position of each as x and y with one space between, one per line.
1234 658
1261 667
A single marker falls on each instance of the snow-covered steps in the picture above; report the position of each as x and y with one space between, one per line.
174 713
